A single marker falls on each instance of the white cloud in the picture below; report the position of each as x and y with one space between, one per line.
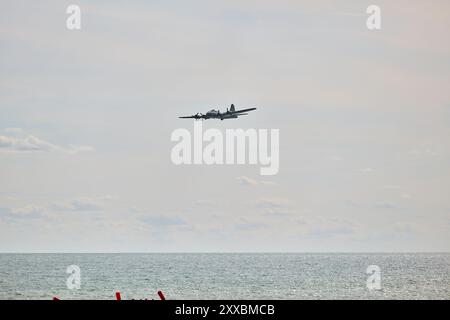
248 182
34 144
78 149
22 213
424 152
30 143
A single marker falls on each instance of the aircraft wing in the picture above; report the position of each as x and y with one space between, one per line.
241 111
196 116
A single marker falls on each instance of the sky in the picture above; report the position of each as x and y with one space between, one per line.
86 118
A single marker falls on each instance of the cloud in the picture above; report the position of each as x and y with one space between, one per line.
157 220
162 221
251 226
30 143
34 144
424 152
248 182
23 213
328 227
275 206
273 203
331 232
78 149
83 204
385 205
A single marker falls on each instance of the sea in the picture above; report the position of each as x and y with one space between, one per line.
225 276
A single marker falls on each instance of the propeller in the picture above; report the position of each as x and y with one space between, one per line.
198 116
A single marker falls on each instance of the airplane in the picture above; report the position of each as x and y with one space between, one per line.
216 114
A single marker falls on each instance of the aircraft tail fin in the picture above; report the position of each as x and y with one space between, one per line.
232 108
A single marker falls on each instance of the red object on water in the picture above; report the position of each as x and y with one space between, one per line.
119 297
161 295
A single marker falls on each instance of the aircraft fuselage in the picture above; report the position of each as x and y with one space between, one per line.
216 114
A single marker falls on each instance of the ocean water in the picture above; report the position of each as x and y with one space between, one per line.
225 276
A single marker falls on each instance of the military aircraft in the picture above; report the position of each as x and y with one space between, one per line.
216 114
